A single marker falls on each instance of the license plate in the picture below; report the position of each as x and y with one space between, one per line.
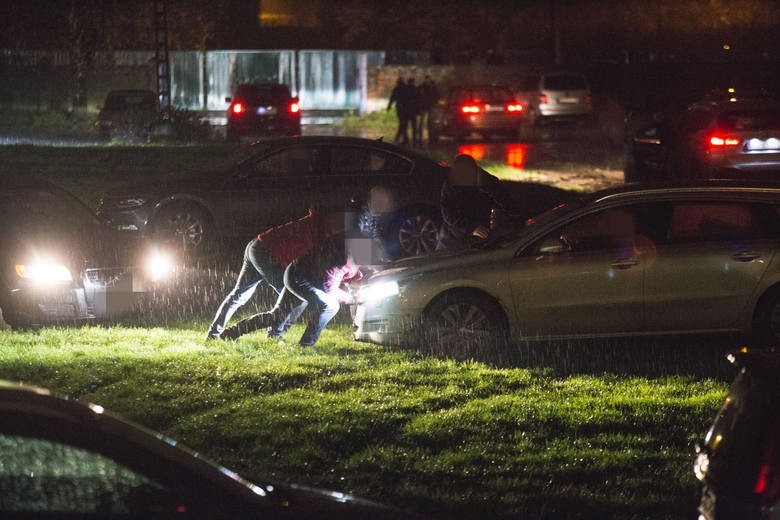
266 111
494 108
568 100
763 145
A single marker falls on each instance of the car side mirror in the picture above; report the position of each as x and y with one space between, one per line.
553 246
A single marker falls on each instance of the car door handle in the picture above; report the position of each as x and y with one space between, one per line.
624 263
745 256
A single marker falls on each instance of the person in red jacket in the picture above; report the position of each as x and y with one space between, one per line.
265 259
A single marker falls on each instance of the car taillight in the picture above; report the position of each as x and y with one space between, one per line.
542 99
767 485
470 109
295 108
237 108
514 107
722 141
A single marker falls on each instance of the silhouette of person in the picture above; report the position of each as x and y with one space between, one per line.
401 98
429 96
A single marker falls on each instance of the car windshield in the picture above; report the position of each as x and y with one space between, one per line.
750 120
565 82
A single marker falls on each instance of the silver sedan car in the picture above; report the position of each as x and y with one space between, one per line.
630 261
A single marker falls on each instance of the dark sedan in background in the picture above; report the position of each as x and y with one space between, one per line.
727 134
258 109
65 459
58 262
280 180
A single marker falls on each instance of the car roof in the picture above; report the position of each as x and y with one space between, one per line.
720 187
334 140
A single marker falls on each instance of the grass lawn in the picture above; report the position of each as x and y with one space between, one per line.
583 430
464 439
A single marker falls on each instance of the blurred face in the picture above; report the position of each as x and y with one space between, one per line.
380 201
464 172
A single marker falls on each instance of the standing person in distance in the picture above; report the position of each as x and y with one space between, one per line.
400 97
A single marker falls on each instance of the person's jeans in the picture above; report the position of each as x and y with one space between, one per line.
258 267
324 305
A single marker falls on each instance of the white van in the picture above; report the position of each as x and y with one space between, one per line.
554 96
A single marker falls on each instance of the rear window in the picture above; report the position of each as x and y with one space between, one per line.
565 82
750 120
485 95
263 93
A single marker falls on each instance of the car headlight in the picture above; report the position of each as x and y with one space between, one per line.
378 291
44 271
158 265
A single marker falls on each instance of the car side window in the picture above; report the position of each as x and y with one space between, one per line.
713 221
610 229
361 161
40 476
295 162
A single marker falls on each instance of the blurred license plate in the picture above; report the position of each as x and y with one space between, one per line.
494 108
568 100
266 111
763 145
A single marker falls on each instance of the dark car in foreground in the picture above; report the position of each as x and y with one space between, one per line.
66 459
262 109
127 115
724 135
281 179
631 261
487 110
739 461
58 263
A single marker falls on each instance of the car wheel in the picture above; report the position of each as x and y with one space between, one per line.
413 233
766 326
465 323
183 225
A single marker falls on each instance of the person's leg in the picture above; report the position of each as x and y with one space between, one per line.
246 284
287 311
325 306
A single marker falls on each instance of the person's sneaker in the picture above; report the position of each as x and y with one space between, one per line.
230 333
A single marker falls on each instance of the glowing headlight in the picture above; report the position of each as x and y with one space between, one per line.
44 271
378 291
158 265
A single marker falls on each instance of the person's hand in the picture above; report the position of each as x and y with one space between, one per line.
480 232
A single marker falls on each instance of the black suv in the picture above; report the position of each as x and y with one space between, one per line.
725 135
262 108
127 115
739 461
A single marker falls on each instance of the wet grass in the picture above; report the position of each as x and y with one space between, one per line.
589 438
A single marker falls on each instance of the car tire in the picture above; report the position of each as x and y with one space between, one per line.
185 226
464 324
766 325
414 232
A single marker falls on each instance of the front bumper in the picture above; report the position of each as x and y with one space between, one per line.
378 324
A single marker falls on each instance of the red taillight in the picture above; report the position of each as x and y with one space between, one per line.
721 141
514 107
237 108
542 99
767 484
295 107
470 109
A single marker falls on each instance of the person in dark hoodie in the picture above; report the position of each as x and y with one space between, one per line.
265 259
470 198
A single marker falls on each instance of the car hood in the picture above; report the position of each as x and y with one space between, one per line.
444 261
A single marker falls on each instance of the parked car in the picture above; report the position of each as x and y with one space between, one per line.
58 263
624 262
261 109
739 461
724 136
555 96
67 459
127 115
277 183
487 110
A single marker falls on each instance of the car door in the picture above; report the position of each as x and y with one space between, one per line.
584 277
708 264
274 188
